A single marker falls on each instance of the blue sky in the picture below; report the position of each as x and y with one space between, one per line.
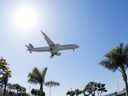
95 25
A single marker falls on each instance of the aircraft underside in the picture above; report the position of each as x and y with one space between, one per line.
55 52
52 47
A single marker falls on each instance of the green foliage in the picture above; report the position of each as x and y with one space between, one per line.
5 73
70 93
77 92
117 59
92 87
19 88
14 89
74 92
38 77
52 83
35 92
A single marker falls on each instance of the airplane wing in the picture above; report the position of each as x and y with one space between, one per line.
48 40
68 47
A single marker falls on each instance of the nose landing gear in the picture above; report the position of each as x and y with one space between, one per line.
52 55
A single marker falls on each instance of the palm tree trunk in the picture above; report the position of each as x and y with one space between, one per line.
41 90
41 87
4 93
5 84
124 75
126 83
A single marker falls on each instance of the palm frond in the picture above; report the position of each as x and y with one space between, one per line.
116 58
34 76
36 73
52 83
37 76
109 65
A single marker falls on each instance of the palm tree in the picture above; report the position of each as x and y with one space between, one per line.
91 88
77 92
84 92
17 87
101 88
117 59
20 89
5 73
38 77
51 84
70 93
35 92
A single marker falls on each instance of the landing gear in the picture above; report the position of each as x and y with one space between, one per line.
52 55
58 54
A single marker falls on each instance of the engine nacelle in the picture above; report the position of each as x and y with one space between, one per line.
58 54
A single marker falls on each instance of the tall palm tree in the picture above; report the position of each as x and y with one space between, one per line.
5 73
51 84
38 77
117 59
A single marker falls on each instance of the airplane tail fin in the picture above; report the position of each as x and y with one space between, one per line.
29 47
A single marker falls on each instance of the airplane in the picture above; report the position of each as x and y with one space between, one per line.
52 47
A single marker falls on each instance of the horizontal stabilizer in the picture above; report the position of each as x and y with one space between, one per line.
29 47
